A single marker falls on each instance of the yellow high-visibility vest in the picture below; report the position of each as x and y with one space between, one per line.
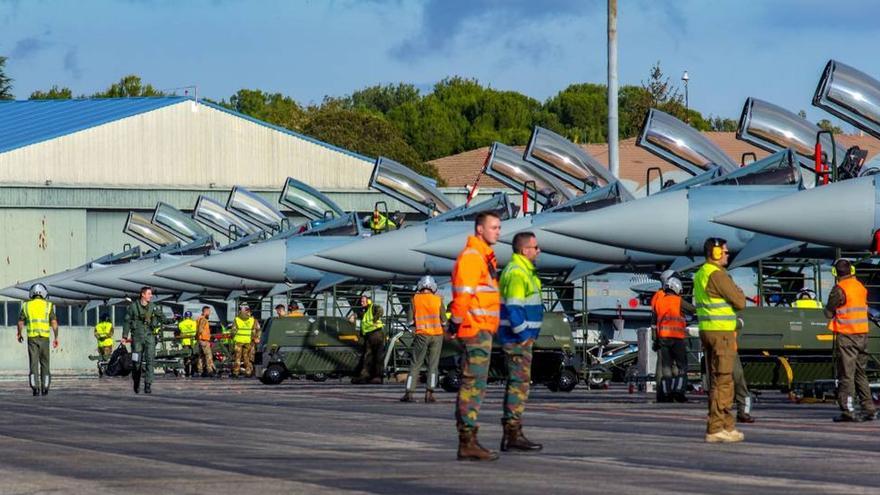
38 312
714 314
187 328
104 332
244 330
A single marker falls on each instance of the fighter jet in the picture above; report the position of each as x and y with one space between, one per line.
844 214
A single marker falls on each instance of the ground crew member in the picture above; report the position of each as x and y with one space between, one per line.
205 360
522 312
806 299
293 310
663 278
380 222
104 336
428 317
245 329
280 311
847 308
672 364
141 319
476 306
372 331
38 316
717 298
186 329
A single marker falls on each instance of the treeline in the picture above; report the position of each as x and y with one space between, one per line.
459 114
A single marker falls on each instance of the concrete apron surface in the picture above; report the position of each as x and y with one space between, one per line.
201 436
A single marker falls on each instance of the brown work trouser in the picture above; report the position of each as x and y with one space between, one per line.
374 355
719 349
852 359
205 361
242 358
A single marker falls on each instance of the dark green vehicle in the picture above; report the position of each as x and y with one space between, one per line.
790 349
318 348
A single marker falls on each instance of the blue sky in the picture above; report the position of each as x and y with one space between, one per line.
774 50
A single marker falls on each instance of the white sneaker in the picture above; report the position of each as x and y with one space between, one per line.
722 436
735 436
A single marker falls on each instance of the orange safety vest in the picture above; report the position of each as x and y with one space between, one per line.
670 322
426 313
476 301
852 317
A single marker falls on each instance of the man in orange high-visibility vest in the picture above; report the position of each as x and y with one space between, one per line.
848 310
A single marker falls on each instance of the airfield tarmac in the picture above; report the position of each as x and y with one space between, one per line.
202 436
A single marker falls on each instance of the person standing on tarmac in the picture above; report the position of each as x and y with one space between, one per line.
245 331
717 299
141 319
476 307
522 312
38 316
104 336
372 370
186 329
428 317
205 360
672 364
847 309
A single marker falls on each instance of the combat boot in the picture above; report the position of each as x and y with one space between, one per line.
147 389
469 449
407 397
429 397
136 381
745 418
514 439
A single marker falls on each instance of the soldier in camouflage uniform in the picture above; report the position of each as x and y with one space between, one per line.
475 313
522 312
141 320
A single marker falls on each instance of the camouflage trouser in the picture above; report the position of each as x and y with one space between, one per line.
242 357
474 373
519 376
205 362
105 352
38 357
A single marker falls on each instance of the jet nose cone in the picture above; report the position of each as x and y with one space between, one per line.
843 214
658 224
264 261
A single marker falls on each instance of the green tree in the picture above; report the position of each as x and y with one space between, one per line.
5 82
382 99
826 125
364 133
722 124
128 86
582 110
274 108
54 93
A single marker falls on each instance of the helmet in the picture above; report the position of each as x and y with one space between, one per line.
665 275
38 290
427 282
673 284
806 294
187 314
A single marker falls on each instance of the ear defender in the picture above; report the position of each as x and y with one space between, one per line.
852 269
717 251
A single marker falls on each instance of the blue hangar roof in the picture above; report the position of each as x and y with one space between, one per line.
26 122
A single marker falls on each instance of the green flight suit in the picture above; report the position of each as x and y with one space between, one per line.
140 322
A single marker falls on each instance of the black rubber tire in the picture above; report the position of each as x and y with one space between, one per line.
566 381
273 374
451 381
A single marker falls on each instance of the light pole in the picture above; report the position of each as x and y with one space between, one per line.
687 116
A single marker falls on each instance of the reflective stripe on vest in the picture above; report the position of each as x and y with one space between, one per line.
38 312
477 306
187 329
244 330
714 313
670 323
368 324
104 331
852 317
426 314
